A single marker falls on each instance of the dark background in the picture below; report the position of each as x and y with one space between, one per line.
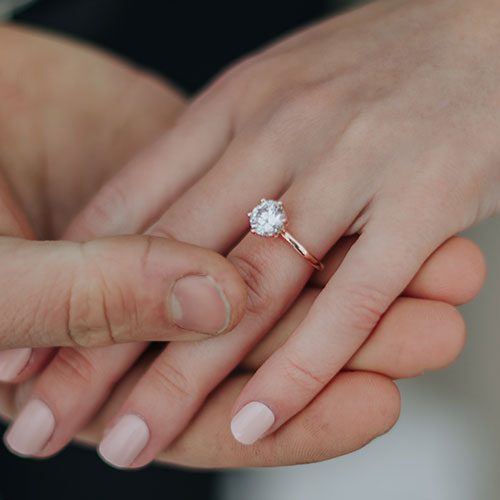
189 42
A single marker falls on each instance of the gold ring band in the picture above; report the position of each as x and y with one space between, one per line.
302 250
269 219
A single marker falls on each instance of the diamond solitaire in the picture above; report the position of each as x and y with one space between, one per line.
268 218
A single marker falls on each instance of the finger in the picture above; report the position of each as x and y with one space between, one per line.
406 322
18 365
188 220
189 287
182 389
446 328
347 415
454 273
175 151
120 207
406 329
274 275
258 174
376 270
48 419
353 410
414 336
115 290
172 386
153 179
13 221
457 271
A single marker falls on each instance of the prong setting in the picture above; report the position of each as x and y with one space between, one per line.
268 218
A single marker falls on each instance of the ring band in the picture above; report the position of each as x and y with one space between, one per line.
269 219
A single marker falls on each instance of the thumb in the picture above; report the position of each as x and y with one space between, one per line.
112 290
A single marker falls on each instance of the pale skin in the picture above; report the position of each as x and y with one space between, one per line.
247 134
378 122
421 331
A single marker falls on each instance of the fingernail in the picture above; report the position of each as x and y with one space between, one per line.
252 422
13 362
125 441
198 304
31 430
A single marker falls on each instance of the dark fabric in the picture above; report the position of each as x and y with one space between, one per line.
189 42
76 474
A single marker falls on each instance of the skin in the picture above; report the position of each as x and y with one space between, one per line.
416 335
352 129
247 132
79 287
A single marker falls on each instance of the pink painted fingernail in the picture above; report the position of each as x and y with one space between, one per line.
125 441
198 304
13 362
252 422
31 430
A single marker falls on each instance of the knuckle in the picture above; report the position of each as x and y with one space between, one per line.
308 378
251 269
295 110
361 307
361 126
74 366
166 378
97 308
109 204
302 101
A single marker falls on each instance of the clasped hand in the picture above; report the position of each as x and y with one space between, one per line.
357 135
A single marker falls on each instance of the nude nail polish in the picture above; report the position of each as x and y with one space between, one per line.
125 441
13 362
31 430
252 422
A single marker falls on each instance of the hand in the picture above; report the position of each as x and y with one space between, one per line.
51 191
173 150
415 335
71 93
62 293
355 132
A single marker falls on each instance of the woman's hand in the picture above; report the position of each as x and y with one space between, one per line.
379 122
416 335
72 94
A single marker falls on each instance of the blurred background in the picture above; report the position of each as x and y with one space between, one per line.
446 445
